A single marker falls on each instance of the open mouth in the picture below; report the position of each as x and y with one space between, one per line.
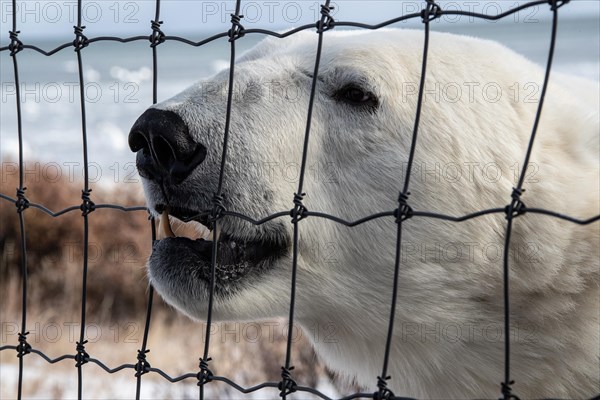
185 240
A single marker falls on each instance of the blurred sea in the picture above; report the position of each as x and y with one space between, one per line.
119 88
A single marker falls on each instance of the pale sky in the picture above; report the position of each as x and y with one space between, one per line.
38 19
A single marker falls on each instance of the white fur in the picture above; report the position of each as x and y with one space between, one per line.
345 274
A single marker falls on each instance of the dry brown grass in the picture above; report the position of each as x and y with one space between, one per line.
119 244
117 293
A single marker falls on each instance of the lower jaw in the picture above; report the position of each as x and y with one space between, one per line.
181 270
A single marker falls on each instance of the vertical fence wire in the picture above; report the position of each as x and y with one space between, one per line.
21 204
287 385
143 366
237 30
404 211
87 205
517 207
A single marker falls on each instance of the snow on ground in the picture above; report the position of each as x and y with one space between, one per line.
59 381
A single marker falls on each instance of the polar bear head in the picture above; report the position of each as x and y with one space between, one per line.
472 137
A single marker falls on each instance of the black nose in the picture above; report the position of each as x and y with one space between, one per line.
165 149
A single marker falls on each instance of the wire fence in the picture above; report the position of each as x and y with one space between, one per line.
404 211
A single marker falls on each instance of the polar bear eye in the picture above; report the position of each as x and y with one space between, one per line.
357 96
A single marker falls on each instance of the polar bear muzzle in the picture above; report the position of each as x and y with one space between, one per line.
167 155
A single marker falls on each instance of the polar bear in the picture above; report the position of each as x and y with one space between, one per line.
478 111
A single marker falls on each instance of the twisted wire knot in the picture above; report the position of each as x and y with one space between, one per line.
218 207
299 211
507 391
237 29
384 393
287 384
22 203
82 356
87 205
15 45
404 211
157 36
23 347
431 11
556 4
327 22
517 206
205 374
81 40
142 366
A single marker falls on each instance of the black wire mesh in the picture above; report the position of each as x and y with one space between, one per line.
404 211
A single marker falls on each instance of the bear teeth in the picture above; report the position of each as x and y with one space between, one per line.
164 227
170 226
211 235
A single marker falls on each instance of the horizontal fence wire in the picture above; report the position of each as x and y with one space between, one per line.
298 212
